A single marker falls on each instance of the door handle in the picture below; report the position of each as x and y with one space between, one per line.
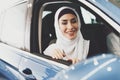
28 74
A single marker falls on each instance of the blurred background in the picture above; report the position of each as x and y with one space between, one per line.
116 2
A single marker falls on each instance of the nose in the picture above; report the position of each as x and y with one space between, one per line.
70 26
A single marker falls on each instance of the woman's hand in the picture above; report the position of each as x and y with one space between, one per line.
74 60
58 54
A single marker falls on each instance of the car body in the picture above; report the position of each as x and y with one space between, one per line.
9 72
27 28
104 67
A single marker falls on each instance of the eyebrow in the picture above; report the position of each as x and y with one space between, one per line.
64 20
67 20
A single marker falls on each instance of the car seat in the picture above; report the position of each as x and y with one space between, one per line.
48 30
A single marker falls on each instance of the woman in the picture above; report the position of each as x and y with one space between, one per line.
70 44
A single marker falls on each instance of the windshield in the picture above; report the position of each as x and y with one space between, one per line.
109 8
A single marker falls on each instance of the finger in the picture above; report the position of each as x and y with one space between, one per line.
70 60
54 55
64 53
76 60
59 54
73 61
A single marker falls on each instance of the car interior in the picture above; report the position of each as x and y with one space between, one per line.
96 31
89 31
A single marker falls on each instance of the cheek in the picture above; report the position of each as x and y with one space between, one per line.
62 28
76 27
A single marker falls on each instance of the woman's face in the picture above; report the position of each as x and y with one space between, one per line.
69 25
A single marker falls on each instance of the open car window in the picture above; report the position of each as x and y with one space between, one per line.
93 27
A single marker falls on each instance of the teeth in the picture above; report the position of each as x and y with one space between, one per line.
73 29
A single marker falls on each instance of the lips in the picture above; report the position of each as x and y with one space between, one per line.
71 33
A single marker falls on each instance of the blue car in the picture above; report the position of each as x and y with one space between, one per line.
9 72
103 67
27 29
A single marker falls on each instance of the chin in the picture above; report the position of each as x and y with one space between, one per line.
71 38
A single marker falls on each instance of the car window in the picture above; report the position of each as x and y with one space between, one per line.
99 32
13 25
93 27
45 13
48 31
108 7
88 17
96 30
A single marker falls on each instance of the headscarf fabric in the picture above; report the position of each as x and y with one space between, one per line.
72 48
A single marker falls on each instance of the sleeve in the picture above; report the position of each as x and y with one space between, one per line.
49 50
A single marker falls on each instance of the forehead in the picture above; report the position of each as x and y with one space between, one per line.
68 16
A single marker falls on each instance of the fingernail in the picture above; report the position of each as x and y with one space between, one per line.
64 55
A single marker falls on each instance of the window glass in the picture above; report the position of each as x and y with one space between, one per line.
14 25
45 13
96 30
88 17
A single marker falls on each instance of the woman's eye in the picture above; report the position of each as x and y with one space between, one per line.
74 21
64 23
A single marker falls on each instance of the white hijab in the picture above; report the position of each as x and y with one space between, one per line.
72 48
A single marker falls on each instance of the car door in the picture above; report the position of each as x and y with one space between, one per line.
93 26
12 31
15 42
42 32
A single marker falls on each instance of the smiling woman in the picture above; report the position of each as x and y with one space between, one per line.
70 44
25 32
68 24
